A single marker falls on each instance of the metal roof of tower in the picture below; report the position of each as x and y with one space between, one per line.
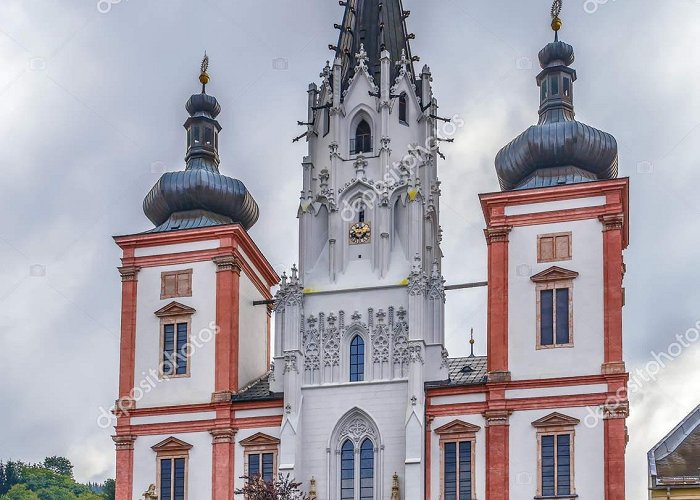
379 25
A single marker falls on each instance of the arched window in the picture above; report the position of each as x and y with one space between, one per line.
367 470
363 138
357 359
347 471
403 109
326 121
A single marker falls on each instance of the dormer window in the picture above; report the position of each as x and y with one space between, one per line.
403 109
362 143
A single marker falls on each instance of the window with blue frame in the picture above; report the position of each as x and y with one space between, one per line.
174 349
457 475
367 470
261 464
357 359
555 464
347 471
173 474
554 316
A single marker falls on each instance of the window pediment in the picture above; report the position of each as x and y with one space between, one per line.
175 309
171 444
554 273
260 440
457 427
556 420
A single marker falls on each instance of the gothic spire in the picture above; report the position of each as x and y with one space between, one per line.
378 25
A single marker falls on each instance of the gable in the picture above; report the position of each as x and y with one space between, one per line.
260 439
554 273
457 427
556 420
171 444
174 309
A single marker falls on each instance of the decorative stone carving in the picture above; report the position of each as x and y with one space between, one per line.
150 493
129 273
415 353
417 282
436 285
356 430
290 363
497 234
290 292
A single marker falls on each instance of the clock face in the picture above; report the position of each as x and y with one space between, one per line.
360 232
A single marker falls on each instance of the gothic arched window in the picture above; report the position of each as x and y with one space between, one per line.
367 470
357 359
347 471
363 138
403 109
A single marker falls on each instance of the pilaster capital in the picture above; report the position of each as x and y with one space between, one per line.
224 435
228 263
615 410
612 222
497 417
498 234
124 442
129 273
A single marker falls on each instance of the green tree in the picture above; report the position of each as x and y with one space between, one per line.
108 489
20 492
60 465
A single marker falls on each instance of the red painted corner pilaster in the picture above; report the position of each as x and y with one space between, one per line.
127 346
497 315
615 443
222 463
227 319
497 453
125 467
613 226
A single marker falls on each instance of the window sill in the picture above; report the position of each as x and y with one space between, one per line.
556 497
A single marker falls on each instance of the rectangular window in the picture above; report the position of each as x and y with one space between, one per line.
457 470
175 340
555 460
176 284
553 247
261 464
172 478
554 316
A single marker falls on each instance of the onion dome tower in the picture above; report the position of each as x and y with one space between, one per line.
559 149
200 196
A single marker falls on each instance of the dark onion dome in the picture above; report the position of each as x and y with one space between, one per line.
559 149
200 196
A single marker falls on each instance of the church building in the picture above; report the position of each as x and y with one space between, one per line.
338 374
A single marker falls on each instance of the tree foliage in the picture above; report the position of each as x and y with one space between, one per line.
50 480
282 488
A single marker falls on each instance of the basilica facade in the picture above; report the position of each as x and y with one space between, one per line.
354 394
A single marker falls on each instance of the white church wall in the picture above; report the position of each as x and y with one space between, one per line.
196 388
324 407
176 248
587 355
523 454
252 332
198 469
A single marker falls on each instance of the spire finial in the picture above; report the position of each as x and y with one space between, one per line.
471 343
203 76
556 20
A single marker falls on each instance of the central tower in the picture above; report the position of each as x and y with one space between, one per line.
359 326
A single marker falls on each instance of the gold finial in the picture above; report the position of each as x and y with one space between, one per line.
203 76
471 343
556 10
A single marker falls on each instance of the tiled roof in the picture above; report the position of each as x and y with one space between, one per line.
258 390
675 460
464 371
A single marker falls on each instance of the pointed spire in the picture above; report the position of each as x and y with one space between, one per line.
368 28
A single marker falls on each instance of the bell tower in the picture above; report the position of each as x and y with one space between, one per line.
366 305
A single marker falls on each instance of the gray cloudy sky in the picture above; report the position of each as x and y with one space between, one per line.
92 108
